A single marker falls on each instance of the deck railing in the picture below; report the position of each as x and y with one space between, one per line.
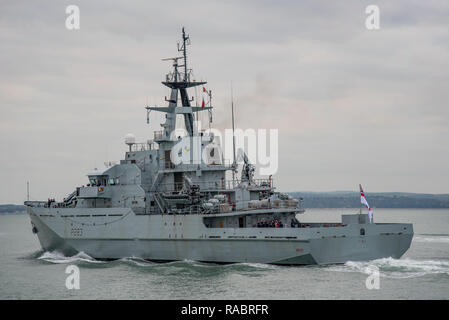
144 146
158 135
245 206
46 204
216 185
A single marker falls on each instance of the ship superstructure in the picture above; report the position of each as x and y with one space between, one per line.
170 199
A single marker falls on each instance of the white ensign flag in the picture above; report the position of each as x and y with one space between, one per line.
364 202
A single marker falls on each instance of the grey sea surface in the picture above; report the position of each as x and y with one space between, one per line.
26 272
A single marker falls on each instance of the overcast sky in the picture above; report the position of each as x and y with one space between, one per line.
351 105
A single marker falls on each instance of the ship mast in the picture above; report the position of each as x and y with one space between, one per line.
184 51
179 82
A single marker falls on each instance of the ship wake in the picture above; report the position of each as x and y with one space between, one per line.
396 268
85 260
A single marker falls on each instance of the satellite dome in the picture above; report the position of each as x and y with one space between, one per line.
130 139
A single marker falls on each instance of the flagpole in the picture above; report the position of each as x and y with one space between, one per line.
196 105
210 110
233 136
363 200
360 212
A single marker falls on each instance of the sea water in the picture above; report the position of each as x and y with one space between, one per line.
27 272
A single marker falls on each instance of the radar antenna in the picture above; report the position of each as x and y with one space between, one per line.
183 49
174 59
175 66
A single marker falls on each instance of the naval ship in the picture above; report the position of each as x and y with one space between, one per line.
152 207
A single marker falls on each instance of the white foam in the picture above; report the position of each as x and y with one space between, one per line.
138 262
145 263
258 265
58 257
396 268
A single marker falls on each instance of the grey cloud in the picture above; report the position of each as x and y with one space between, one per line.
351 105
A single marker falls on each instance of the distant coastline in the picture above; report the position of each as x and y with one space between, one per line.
351 199
338 199
11 209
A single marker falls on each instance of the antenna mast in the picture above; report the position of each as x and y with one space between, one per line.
233 134
183 48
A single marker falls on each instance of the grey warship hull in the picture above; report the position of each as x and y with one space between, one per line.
186 238
171 198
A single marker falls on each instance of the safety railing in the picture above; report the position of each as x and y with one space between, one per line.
216 185
37 204
225 207
158 135
47 204
145 146
179 76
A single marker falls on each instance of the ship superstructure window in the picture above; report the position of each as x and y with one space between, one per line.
98 180
362 232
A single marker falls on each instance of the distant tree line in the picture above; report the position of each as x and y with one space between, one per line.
342 199
11 208
376 200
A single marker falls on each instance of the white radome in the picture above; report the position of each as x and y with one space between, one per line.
130 139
